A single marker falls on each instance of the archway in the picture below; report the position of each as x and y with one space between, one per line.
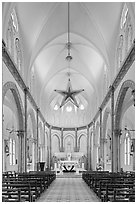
55 149
55 143
69 143
125 95
14 123
82 143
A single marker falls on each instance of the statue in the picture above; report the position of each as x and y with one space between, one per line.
69 156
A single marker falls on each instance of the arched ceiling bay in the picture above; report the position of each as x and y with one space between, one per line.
44 31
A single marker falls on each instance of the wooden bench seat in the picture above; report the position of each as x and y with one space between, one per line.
25 192
111 186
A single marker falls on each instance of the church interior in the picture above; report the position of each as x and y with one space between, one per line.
68 101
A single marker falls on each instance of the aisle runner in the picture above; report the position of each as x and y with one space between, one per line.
68 190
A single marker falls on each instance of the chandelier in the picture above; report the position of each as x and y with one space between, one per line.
68 45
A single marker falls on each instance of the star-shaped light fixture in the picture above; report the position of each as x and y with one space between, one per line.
69 95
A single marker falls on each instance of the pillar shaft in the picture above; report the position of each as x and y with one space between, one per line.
50 148
44 153
113 159
76 146
88 147
25 133
61 148
21 136
37 138
94 148
101 139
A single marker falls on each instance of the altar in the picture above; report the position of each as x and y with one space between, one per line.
69 163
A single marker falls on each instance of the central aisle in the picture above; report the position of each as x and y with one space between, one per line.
68 190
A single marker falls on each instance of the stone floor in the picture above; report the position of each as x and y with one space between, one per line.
68 190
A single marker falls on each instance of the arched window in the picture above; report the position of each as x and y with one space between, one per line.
12 151
18 53
123 41
13 42
120 51
124 16
10 38
127 144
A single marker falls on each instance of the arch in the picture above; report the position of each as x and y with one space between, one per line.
57 136
79 137
79 141
128 84
33 119
69 135
120 99
13 88
16 95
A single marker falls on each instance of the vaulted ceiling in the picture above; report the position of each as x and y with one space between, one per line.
93 31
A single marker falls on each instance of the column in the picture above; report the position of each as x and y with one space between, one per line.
61 148
48 165
118 134
94 147
113 158
88 165
20 135
50 149
101 140
37 138
90 149
76 136
25 132
44 150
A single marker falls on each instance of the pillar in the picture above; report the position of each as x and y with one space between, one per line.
25 130
44 148
37 116
76 136
101 139
88 165
20 135
50 149
113 147
61 148
94 147
90 149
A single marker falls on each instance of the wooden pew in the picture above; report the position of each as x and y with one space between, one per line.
31 184
25 192
99 182
11 195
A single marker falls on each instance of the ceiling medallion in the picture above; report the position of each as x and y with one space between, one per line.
69 95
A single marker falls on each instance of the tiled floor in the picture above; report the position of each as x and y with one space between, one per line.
68 190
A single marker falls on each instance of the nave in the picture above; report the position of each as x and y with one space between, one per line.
68 190
68 99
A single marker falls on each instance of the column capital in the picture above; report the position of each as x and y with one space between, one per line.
50 127
111 87
26 89
20 133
